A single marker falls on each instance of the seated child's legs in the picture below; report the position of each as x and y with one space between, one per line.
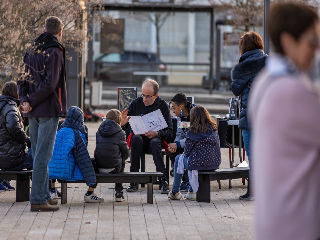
119 169
90 196
177 176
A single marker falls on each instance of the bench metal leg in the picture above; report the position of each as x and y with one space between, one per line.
203 194
168 165
64 193
23 188
143 165
150 193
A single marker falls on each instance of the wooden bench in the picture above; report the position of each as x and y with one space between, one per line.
22 183
203 194
148 178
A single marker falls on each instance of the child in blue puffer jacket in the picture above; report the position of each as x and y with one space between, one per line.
201 152
70 159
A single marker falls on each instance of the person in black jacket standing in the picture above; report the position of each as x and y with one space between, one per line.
13 139
43 96
111 148
149 101
251 61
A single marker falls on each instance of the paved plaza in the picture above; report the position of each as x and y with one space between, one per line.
225 217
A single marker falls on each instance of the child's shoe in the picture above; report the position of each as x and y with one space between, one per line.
184 186
2 187
190 196
176 196
8 186
164 187
119 197
53 193
92 198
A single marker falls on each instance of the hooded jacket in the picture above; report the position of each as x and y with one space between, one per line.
44 86
13 139
111 146
203 150
70 159
243 74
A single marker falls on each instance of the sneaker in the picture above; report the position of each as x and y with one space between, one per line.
119 197
2 188
8 186
92 198
53 201
184 186
45 207
53 194
132 188
190 196
164 187
246 197
177 196
58 193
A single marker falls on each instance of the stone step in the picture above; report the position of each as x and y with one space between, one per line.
214 109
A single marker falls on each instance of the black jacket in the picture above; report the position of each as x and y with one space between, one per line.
13 139
44 85
243 74
137 108
111 146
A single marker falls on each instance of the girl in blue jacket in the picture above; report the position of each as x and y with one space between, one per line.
201 151
70 159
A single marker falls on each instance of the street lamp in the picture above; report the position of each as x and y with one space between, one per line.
265 22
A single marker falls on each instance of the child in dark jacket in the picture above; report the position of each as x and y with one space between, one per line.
13 139
70 159
111 148
201 152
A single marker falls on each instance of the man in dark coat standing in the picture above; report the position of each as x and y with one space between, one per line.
151 141
43 97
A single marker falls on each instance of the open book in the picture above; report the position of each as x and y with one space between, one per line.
153 121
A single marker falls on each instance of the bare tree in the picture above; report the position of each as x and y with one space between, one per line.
158 19
22 21
242 14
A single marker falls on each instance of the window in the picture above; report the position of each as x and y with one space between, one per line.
111 57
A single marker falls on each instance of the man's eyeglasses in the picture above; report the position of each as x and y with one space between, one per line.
147 96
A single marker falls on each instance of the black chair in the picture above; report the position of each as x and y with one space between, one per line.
225 136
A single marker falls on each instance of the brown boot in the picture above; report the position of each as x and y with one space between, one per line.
45 207
53 201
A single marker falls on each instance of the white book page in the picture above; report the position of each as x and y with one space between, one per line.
154 121
137 125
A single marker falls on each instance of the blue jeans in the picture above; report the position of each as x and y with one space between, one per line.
246 135
42 137
177 177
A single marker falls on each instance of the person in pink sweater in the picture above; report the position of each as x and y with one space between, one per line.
284 110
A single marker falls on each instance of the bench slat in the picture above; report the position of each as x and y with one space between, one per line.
226 170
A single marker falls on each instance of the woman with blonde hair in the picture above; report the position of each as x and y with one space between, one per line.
284 110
